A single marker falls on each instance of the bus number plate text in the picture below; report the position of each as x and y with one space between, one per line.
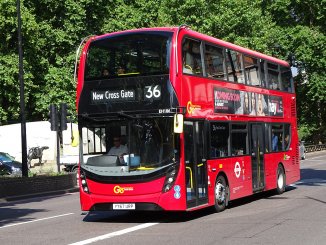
124 206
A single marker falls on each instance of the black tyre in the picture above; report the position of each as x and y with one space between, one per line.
280 180
221 194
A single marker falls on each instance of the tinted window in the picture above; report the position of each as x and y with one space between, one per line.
134 54
251 71
267 131
219 139
272 76
214 62
192 63
286 79
287 137
234 67
239 139
277 136
263 74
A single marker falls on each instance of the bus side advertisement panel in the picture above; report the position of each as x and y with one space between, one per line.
231 101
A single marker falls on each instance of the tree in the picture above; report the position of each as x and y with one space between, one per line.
52 31
302 25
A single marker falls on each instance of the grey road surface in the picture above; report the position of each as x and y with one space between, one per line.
296 217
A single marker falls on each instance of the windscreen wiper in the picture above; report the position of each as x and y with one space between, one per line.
122 114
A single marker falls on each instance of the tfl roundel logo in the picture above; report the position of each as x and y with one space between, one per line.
237 169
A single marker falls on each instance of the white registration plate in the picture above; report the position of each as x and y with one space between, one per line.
124 206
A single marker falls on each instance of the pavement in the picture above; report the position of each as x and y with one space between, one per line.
46 168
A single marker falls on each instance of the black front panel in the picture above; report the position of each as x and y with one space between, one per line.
127 94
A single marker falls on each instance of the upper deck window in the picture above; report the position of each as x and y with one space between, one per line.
234 66
129 54
214 62
201 58
273 76
191 56
286 78
251 70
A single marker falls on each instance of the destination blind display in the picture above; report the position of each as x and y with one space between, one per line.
127 94
111 96
150 93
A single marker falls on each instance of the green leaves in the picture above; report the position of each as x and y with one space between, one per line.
52 31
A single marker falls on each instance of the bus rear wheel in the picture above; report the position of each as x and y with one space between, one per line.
221 194
280 184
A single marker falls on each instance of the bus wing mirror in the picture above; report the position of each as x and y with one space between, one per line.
178 123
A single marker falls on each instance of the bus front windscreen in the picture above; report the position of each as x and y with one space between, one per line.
141 53
129 147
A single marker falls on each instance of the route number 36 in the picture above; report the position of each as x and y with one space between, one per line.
152 92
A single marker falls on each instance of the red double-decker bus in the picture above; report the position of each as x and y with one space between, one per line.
171 119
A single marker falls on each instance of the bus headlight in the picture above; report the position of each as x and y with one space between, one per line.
84 182
170 179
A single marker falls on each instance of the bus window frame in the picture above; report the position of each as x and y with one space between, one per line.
245 130
289 133
229 139
209 145
269 74
263 74
201 49
206 65
249 82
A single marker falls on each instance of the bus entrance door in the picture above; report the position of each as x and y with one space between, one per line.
257 157
195 161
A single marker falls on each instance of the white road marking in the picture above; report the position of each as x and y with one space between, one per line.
113 234
316 157
36 220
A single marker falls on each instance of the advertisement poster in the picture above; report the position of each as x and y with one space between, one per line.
226 100
229 101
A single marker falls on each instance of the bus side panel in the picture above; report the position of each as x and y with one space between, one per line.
271 163
238 174
292 171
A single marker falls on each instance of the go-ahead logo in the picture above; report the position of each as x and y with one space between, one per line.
120 190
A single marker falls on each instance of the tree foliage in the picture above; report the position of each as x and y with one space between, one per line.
52 31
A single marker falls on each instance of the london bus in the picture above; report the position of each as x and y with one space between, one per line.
202 121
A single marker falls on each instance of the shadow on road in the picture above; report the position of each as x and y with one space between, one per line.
312 177
10 212
145 216
11 215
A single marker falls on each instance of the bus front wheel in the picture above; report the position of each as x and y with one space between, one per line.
221 194
280 184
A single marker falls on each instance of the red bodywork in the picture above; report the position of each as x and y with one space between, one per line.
199 91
